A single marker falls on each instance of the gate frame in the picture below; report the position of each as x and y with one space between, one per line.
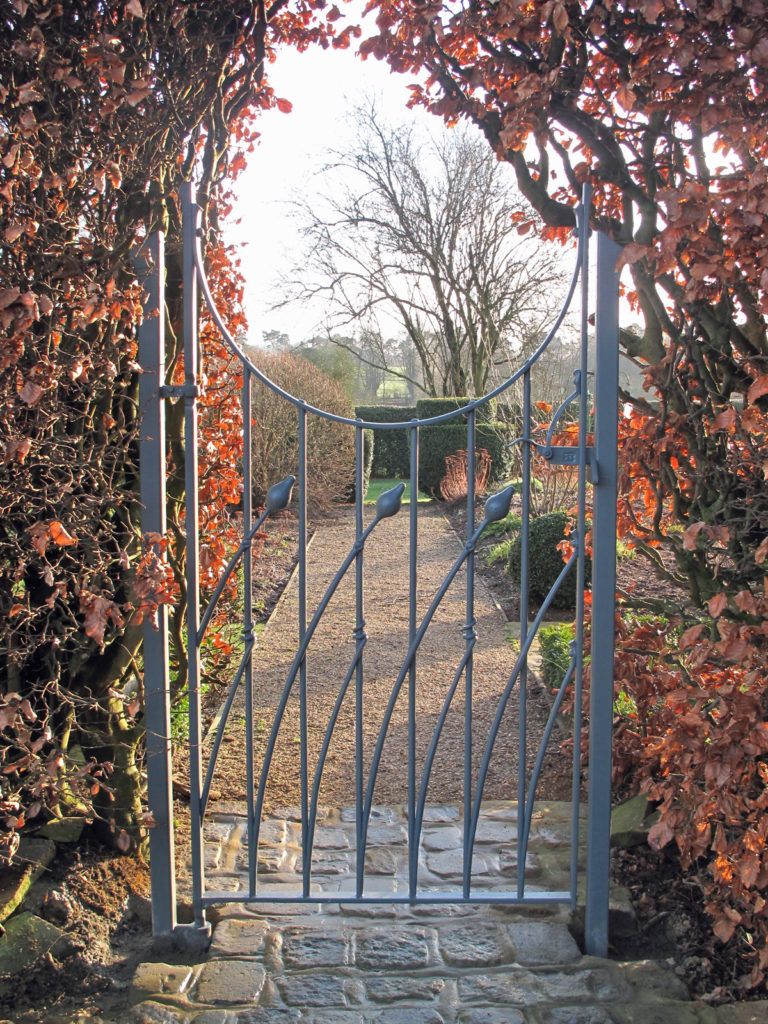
152 392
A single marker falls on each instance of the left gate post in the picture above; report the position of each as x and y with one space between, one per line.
150 266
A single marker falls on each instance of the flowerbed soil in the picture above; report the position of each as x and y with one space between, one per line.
672 923
101 900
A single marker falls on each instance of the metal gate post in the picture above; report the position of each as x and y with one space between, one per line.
150 266
603 596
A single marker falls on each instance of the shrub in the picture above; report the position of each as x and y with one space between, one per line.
330 446
392 449
428 407
506 529
455 484
555 641
546 560
690 733
435 443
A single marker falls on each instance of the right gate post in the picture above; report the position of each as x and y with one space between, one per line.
150 266
603 596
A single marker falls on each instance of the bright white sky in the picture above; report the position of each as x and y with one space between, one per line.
323 86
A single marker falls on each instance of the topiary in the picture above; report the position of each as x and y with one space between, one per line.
392 448
545 561
428 407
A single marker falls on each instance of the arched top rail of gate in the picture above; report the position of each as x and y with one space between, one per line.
191 214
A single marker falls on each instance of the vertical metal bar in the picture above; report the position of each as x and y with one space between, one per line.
413 838
359 642
581 528
525 515
191 374
603 596
306 853
248 635
150 265
469 643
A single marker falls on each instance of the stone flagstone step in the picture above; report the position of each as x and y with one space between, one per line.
469 965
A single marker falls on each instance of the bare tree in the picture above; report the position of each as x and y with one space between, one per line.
424 231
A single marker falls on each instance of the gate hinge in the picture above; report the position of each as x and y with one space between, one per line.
180 391
568 455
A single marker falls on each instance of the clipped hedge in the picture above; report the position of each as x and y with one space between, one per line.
391 448
446 438
545 560
427 407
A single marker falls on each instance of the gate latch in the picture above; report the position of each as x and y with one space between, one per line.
568 455
180 391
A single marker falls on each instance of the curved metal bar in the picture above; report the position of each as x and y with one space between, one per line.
521 659
318 775
231 565
581 221
411 653
540 755
222 726
299 658
437 732
560 410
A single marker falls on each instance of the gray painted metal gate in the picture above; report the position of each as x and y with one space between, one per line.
595 458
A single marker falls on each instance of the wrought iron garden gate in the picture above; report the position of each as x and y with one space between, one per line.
594 457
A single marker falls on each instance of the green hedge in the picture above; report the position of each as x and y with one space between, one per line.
428 407
545 560
446 438
391 448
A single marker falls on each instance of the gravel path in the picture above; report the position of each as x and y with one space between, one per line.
330 653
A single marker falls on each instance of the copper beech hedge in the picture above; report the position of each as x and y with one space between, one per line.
104 109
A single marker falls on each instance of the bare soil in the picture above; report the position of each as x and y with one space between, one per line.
102 901
672 924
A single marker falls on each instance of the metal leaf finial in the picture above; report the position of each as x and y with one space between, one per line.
279 495
497 506
389 502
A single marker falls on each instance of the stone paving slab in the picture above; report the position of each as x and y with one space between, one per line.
495 863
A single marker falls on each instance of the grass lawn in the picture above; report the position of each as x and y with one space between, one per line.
377 486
